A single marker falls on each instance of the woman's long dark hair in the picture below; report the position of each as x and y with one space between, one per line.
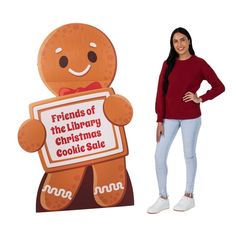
173 55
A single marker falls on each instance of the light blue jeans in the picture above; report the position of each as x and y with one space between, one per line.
190 129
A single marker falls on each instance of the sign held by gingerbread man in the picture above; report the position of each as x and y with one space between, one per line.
79 134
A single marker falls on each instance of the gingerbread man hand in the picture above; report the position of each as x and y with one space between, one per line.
118 110
32 135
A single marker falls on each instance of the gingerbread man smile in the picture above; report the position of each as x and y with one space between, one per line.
79 74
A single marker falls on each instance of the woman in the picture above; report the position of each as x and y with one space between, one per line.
178 106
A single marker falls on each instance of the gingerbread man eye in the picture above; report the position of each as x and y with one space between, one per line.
63 61
92 56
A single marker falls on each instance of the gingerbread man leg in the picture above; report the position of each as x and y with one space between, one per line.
60 188
109 182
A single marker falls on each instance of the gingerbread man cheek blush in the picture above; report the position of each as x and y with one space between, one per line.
79 134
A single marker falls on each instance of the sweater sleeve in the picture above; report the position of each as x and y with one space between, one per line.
217 87
160 98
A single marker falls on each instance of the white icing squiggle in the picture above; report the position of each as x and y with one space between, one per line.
108 188
57 192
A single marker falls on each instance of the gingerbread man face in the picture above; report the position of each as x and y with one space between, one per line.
76 55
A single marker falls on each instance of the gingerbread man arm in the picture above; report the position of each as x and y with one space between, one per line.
118 110
32 135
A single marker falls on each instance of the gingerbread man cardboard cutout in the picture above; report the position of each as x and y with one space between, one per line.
79 134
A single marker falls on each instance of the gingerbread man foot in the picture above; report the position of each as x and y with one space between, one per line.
109 182
60 188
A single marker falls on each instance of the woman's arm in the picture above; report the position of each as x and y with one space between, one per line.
160 99
217 87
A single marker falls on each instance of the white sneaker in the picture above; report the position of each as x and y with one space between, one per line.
160 205
185 203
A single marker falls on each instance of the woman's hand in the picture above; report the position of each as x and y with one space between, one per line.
160 131
189 96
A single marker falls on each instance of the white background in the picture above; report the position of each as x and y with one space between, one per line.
140 32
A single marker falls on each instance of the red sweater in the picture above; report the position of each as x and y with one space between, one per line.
186 76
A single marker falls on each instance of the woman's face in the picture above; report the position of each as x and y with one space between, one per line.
181 44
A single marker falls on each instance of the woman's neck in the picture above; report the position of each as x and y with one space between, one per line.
185 56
